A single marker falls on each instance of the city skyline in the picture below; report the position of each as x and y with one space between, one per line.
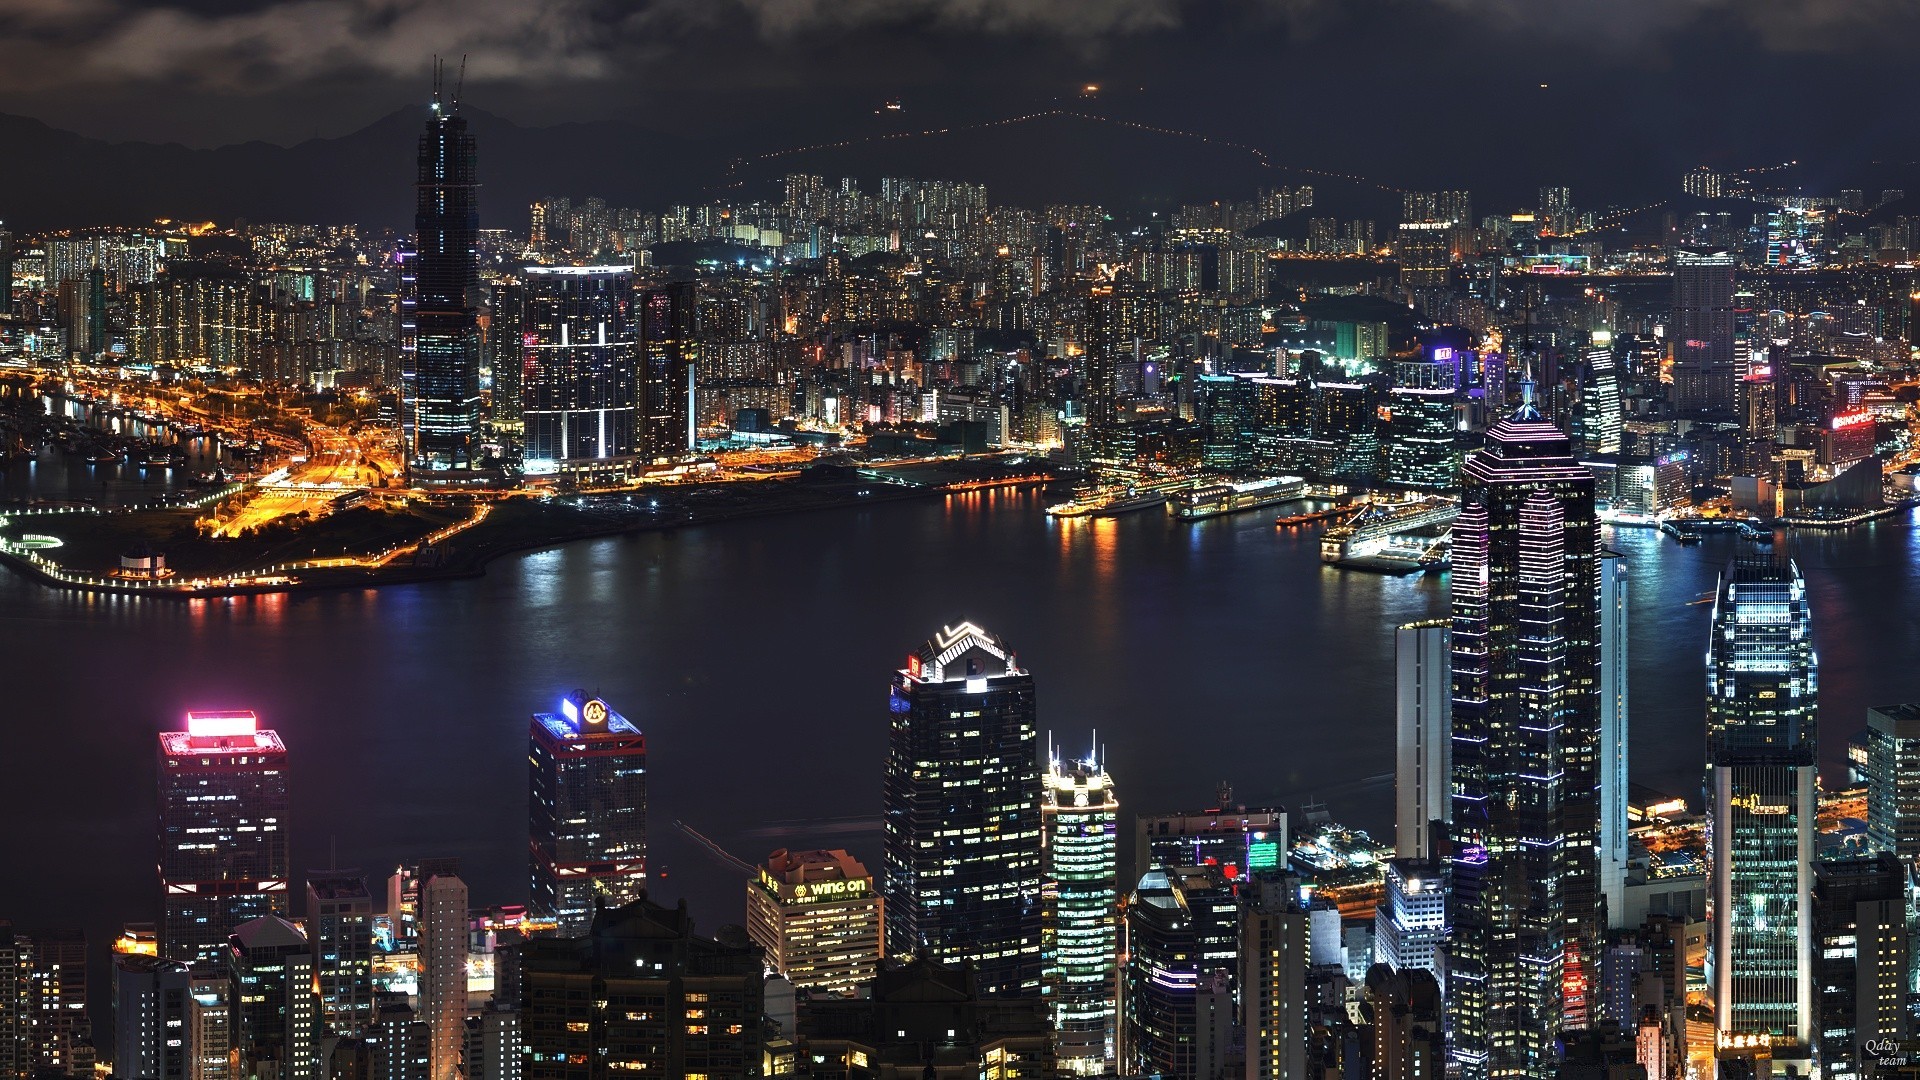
1374 539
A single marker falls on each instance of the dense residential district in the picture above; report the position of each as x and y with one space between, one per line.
1487 393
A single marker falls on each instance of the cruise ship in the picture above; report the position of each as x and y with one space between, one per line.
1212 500
1377 527
1115 499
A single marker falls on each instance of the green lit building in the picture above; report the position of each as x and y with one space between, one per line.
1079 937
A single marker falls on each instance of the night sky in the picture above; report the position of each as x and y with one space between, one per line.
1417 93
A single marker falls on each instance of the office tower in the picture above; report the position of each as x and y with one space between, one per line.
399 1043
1408 1040
1861 951
1423 742
443 969
223 839
818 917
1182 926
1601 416
1411 921
1762 687
641 993
1703 368
16 1004
669 354
492 1050
442 390
1893 781
1275 955
580 370
1080 934
1614 849
275 1011
1420 451
587 807
152 1005
963 810
1525 905
917 1006
62 1030
1240 840
340 924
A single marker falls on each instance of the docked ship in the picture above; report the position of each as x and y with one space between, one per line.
1111 500
1391 532
1212 500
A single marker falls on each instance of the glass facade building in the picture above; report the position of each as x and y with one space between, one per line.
1080 935
587 807
1762 687
962 810
669 370
579 379
1525 638
223 839
442 384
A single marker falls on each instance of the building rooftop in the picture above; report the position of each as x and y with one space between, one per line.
959 653
230 732
583 717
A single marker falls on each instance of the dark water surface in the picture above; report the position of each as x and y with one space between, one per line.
756 657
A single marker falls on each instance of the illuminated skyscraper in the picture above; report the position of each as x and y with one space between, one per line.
223 840
1893 781
340 925
817 915
1113 334
580 369
1080 934
443 968
1526 728
1600 416
587 803
963 810
1702 336
669 353
1423 744
442 388
1183 940
1762 691
1409 925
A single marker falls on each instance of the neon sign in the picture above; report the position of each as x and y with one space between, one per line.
1851 420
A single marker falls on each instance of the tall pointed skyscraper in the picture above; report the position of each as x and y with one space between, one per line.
1525 905
442 385
963 810
1762 684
